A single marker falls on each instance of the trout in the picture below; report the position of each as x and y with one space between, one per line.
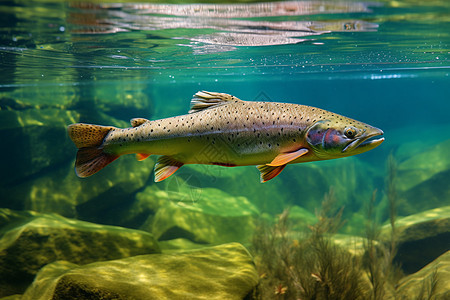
221 129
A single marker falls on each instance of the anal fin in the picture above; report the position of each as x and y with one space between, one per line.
165 167
284 158
269 172
90 160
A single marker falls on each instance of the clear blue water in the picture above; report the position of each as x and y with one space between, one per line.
386 63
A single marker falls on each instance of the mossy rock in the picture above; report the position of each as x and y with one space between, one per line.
221 272
36 140
61 191
422 180
301 217
30 240
421 238
177 245
423 166
211 217
12 297
420 283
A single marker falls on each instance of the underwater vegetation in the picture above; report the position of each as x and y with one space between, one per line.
309 264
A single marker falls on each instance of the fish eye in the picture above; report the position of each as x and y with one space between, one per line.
350 132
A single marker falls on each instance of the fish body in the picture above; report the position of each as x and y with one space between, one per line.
221 129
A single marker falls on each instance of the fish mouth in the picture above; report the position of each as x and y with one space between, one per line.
365 143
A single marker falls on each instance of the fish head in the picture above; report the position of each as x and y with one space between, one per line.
341 137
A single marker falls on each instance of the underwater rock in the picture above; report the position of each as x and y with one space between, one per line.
301 218
422 180
12 297
208 216
36 140
61 191
176 245
433 277
421 238
221 272
30 240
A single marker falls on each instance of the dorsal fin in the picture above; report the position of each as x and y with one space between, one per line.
204 100
137 122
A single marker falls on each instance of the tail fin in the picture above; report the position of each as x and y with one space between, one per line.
90 156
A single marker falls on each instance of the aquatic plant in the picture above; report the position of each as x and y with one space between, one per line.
383 272
307 265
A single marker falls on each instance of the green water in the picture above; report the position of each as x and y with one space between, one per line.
385 63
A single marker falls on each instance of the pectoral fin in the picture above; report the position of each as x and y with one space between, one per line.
269 172
142 156
165 167
284 158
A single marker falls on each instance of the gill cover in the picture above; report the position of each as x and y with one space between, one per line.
326 140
